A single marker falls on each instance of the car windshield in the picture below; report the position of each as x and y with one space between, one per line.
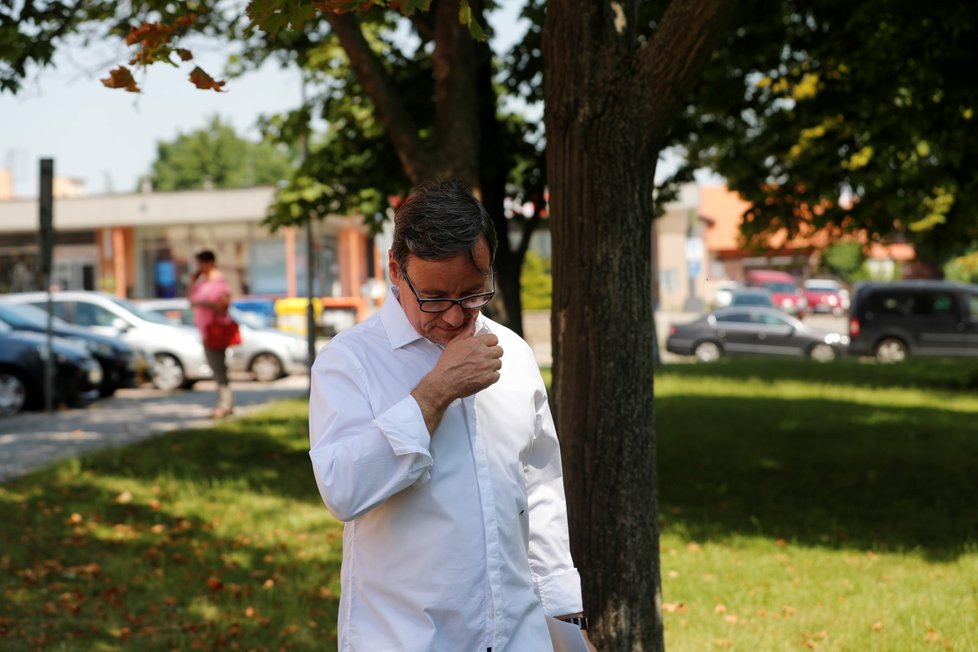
821 288
27 316
782 287
752 299
145 315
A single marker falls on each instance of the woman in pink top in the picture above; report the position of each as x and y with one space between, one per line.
210 296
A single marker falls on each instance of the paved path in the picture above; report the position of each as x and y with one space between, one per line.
32 440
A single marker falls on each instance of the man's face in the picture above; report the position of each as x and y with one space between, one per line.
451 278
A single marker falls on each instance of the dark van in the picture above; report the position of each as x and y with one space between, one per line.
894 320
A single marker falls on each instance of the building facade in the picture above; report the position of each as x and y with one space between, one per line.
142 245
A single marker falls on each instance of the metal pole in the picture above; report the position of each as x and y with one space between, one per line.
310 261
46 234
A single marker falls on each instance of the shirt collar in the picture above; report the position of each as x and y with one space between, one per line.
399 329
400 332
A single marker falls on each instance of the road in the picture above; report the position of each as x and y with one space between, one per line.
31 440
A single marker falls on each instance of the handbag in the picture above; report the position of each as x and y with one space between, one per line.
221 332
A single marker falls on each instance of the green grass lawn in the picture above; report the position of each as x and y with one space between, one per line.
827 507
804 506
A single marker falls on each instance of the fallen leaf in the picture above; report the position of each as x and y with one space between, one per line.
124 498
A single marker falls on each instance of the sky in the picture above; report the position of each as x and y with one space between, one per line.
108 137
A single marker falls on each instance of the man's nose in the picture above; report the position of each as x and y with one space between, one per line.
454 316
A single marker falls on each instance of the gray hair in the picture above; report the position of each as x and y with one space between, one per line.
439 220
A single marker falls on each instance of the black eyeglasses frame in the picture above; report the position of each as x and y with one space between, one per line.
452 302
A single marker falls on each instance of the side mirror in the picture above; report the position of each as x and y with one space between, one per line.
120 324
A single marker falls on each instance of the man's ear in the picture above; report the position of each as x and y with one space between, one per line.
393 268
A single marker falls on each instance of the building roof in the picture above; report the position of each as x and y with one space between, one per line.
142 209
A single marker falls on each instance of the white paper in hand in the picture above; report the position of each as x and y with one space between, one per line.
566 637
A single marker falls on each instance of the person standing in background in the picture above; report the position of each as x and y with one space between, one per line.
210 296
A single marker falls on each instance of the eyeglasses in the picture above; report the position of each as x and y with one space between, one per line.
471 302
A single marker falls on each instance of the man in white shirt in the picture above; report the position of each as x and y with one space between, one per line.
432 439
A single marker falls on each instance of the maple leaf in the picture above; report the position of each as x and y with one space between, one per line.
150 35
121 77
202 80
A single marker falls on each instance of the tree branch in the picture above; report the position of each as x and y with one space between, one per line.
395 117
671 61
456 106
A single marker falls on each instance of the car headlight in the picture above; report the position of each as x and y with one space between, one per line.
95 374
836 338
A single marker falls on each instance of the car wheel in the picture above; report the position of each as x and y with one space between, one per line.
267 367
168 374
707 352
891 350
13 393
822 353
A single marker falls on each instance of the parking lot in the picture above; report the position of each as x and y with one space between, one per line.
31 440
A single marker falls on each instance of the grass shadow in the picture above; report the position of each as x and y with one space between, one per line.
819 472
196 540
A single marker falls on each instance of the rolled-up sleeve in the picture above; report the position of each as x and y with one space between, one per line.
556 580
360 458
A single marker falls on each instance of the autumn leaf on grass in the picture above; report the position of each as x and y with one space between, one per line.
121 77
202 80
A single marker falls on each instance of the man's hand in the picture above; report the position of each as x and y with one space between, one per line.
469 364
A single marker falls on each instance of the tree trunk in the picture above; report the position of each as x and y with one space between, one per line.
609 103
603 366
601 215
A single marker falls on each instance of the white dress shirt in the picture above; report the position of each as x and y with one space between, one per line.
455 542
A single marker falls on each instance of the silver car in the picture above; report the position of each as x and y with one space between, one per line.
266 353
177 351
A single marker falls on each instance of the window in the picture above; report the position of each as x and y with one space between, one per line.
939 303
771 320
734 317
89 314
668 280
893 303
973 305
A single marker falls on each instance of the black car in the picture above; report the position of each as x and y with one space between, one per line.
752 330
929 318
22 358
120 364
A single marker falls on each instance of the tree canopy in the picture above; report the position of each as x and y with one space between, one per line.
216 156
848 116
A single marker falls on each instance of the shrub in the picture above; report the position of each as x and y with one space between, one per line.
536 284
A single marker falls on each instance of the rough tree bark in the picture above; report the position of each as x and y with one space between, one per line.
609 101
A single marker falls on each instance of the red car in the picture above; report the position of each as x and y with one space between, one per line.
826 295
784 290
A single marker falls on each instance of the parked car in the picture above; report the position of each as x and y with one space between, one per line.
784 290
22 359
268 354
931 318
826 295
121 365
177 351
753 297
724 292
753 331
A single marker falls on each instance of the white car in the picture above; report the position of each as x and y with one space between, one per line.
266 353
177 351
